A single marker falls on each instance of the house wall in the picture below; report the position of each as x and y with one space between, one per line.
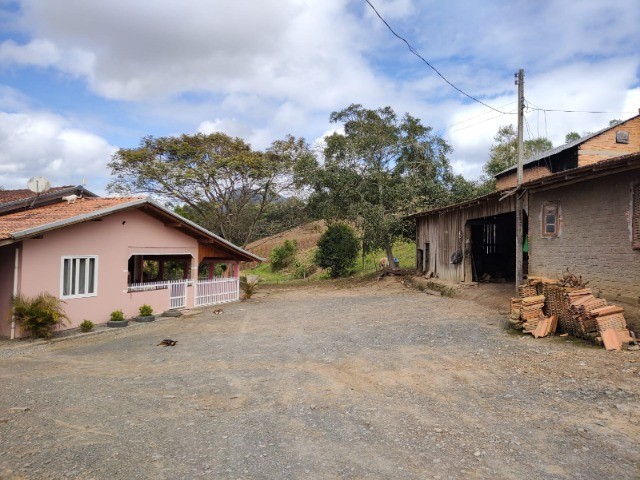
506 182
594 236
445 231
7 266
113 239
604 146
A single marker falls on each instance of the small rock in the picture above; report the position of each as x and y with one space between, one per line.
437 430
168 396
477 453
18 409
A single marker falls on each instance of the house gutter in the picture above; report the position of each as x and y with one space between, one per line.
16 270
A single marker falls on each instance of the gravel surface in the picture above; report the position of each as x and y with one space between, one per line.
372 381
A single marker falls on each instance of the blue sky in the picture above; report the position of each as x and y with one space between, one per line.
80 79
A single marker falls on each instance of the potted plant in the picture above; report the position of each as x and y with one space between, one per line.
146 314
117 319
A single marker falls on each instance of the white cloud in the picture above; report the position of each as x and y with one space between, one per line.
43 144
260 70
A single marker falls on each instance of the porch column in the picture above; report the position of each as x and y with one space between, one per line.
236 269
212 269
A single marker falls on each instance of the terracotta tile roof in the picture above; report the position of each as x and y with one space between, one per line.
49 214
13 195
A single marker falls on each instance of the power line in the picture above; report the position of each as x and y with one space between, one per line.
417 54
482 121
533 107
468 119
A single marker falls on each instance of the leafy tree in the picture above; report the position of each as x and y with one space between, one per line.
338 249
572 137
504 152
379 170
218 181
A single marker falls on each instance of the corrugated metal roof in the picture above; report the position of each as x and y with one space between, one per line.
562 148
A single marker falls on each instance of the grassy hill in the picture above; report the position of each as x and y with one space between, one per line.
307 237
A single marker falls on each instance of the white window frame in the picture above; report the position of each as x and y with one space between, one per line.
76 281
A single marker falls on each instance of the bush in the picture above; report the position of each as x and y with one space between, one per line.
86 326
145 310
117 316
249 285
39 314
304 268
284 255
338 250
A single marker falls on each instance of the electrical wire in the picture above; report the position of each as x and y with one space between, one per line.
417 54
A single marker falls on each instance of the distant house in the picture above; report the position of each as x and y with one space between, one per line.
581 211
103 254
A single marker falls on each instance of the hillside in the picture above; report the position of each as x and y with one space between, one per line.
306 235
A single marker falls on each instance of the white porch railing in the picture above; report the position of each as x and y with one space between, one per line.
207 292
217 290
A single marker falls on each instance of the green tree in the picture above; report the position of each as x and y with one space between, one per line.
504 152
378 171
284 255
572 137
338 249
218 181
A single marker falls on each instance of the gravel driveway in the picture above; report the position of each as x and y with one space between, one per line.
373 381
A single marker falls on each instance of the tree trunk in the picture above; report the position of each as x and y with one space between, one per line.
389 252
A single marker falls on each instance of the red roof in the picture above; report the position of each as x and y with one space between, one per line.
48 214
13 195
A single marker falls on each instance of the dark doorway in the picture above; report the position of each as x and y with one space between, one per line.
493 256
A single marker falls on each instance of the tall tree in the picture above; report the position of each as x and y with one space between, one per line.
504 152
218 181
378 171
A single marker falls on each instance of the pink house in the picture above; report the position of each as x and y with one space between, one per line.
104 254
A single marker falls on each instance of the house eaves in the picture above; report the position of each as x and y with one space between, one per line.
136 203
610 166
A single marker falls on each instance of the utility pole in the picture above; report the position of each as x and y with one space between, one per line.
519 194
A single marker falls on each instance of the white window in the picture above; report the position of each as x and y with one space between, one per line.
79 277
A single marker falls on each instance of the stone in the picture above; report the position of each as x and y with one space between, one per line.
18 409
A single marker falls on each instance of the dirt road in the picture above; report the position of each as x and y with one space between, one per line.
374 381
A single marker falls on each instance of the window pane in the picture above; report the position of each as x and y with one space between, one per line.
74 275
550 229
551 218
82 273
66 277
92 272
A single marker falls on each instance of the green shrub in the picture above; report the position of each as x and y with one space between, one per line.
117 316
39 314
249 285
86 326
338 250
284 255
304 268
145 310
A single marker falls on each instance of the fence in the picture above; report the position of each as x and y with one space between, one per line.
217 290
207 292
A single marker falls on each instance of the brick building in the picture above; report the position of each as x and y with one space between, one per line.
613 141
581 211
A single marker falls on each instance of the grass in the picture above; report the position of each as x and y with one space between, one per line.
405 252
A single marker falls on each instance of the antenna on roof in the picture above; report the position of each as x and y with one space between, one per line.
38 185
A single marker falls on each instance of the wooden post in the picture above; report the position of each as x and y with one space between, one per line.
519 193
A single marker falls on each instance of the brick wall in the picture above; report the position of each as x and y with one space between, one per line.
594 235
604 146
533 173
